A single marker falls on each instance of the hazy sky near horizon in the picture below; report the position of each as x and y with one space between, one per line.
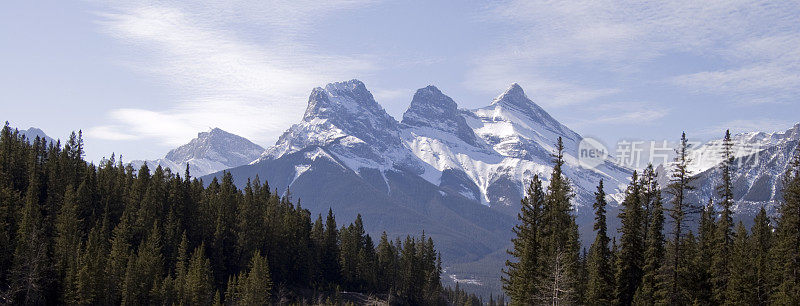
142 77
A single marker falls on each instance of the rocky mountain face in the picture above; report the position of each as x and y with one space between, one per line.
761 159
210 152
457 174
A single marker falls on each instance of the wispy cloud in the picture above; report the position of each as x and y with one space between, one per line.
548 41
220 76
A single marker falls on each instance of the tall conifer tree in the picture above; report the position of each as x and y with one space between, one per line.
601 278
724 229
522 275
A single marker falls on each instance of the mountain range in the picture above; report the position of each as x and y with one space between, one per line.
458 174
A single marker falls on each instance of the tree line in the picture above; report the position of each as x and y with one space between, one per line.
77 233
669 251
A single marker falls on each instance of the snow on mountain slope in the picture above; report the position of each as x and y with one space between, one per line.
346 119
709 154
516 140
210 152
757 175
32 132
457 174
432 109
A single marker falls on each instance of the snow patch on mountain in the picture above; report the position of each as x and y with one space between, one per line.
498 148
709 154
210 152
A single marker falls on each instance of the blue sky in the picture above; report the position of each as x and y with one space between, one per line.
141 77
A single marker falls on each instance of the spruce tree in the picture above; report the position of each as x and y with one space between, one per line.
68 239
600 285
198 282
724 227
703 288
631 248
787 242
522 275
330 253
761 246
257 286
679 186
559 236
387 264
652 288
741 287
31 265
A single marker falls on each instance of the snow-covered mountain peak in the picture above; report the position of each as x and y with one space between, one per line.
210 152
343 113
431 108
32 132
514 105
513 94
219 146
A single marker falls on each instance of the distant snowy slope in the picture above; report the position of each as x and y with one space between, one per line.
32 132
761 160
210 152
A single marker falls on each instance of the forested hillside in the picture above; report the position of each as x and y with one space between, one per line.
77 233
658 259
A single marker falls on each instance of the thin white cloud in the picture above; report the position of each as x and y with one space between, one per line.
221 78
109 133
548 41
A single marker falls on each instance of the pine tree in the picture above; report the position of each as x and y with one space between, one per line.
680 184
521 276
198 283
31 264
387 264
330 258
143 269
761 245
256 287
652 288
787 242
631 248
117 262
68 239
600 285
724 228
741 287
707 232
559 233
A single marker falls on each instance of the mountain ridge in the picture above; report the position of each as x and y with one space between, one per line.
209 152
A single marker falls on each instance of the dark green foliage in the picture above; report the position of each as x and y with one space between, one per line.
75 233
679 186
601 282
652 287
761 244
741 285
458 296
631 248
723 237
519 277
548 267
787 238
